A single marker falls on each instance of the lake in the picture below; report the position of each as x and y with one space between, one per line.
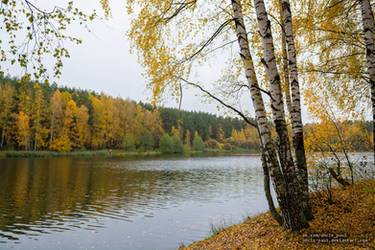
115 203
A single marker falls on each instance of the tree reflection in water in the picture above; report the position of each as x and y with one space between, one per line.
44 196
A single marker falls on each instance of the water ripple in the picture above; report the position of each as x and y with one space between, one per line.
40 197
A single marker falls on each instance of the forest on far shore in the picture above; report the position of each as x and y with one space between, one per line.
37 116
47 117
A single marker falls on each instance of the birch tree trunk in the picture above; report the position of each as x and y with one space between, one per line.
52 129
369 30
294 189
266 182
295 111
285 67
267 188
291 217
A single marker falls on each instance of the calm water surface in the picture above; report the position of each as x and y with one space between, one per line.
124 204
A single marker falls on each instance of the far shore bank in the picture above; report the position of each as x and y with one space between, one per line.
113 153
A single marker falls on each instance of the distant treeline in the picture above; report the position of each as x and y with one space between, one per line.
37 116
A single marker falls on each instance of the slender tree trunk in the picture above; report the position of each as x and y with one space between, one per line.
26 143
286 208
37 120
285 68
277 105
267 190
2 140
36 137
266 183
369 30
338 177
295 111
295 194
52 128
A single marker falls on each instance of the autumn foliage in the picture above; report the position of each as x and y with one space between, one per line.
346 223
44 117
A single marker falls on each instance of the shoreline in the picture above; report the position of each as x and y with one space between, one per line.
112 153
346 223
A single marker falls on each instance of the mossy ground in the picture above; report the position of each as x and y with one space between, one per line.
347 222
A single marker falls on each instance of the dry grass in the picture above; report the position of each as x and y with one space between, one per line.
350 218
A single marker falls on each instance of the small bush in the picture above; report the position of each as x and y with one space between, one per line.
212 144
178 146
146 140
198 144
128 143
227 146
165 144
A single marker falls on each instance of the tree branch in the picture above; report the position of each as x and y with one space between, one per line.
214 35
247 120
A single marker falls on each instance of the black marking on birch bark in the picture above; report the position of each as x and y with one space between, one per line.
273 107
242 56
242 37
268 35
264 133
369 52
286 6
263 123
367 29
240 24
268 27
263 62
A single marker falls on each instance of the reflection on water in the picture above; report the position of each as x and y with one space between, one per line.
116 203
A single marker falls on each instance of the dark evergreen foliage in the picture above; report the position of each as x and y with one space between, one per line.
202 122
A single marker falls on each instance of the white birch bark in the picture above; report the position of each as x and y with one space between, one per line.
277 103
369 30
294 192
290 212
260 112
285 68
295 111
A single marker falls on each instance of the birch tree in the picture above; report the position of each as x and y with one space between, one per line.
39 119
168 57
98 122
368 24
295 207
57 118
7 104
83 126
23 130
295 107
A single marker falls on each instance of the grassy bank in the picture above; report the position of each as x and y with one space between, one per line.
104 153
346 223
234 150
98 153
